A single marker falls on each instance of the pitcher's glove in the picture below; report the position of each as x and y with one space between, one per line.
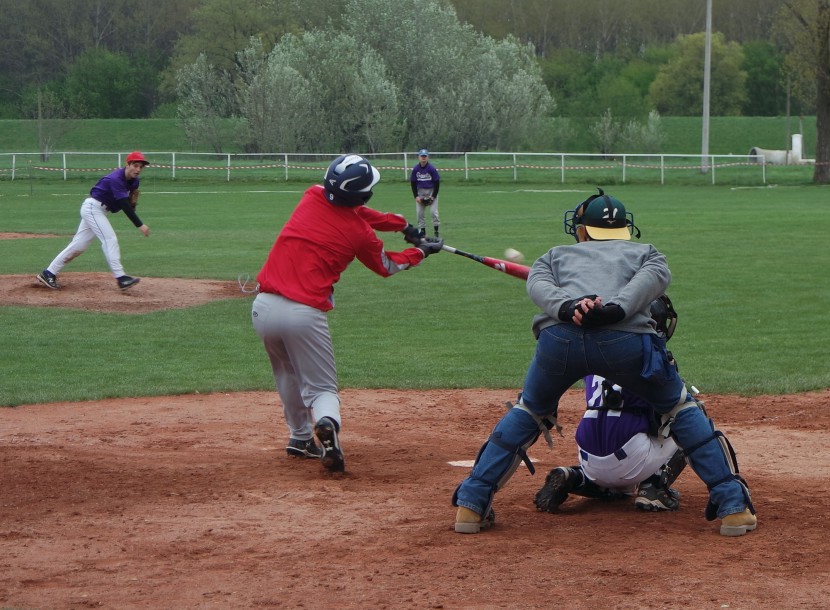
427 200
134 198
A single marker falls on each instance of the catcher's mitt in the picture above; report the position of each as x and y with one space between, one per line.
134 197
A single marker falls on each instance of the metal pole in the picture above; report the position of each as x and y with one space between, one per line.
707 74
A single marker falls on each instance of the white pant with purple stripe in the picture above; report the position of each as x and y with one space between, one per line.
640 457
94 223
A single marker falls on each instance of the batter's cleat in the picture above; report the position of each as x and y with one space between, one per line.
558 484
48 279
125 282
303 449
468 521
738 524
652 497
332 455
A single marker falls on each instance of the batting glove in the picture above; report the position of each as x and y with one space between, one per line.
430 245
412 235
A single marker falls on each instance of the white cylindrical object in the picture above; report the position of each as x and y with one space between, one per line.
798 148
773 157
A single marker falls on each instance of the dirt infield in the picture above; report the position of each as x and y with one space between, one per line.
191 502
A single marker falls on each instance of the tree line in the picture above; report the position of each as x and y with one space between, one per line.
118 59
616 61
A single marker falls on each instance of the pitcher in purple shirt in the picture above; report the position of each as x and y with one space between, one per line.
425 182
110 195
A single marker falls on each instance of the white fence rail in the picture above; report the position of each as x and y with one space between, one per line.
480 166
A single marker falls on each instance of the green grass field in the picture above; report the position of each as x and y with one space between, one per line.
728 135
748 267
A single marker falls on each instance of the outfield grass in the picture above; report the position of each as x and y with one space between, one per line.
748 268
728 135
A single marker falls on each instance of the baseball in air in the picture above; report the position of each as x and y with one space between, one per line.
513 255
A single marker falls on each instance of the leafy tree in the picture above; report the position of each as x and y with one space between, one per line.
805 25
321 91
222 28
764 66
460 86
588 86
606 132
678 88
645 137
52 115
600 27
205 99
40 42
104 85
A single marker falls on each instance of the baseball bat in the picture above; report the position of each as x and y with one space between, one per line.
514 269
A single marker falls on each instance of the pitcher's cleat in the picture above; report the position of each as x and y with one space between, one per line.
125 282
48 279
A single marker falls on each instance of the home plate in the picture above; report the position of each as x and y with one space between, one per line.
469 463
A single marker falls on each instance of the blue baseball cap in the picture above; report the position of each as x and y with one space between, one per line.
423 152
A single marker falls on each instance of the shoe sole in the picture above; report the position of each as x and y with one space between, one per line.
466 527
653 506
300 453
127 287
332 458
474 527
45 282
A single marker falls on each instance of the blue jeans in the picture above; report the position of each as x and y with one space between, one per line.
565 353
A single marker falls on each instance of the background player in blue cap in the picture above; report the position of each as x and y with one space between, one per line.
425 182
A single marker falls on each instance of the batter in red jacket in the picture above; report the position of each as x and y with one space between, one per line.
329 228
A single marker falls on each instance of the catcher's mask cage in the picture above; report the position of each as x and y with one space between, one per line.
573 218
349 180
663 313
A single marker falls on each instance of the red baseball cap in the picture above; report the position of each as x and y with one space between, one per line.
137 156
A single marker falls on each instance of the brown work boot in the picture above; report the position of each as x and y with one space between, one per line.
470 522
738 524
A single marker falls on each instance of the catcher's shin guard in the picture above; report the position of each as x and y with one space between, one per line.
710 455
497 460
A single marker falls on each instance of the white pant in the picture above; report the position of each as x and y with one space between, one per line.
94 223
645 455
